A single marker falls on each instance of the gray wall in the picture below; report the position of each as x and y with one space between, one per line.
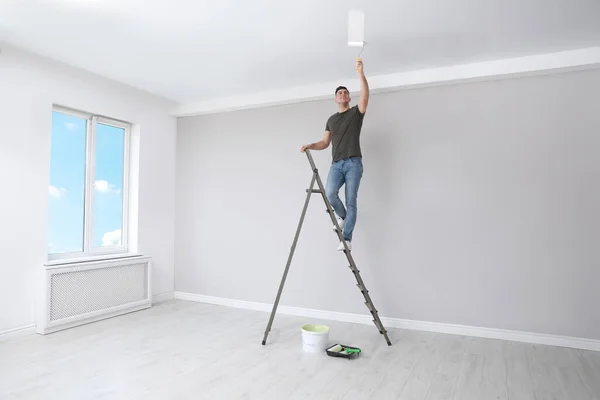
479 205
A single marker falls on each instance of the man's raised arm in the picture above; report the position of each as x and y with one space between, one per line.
364 88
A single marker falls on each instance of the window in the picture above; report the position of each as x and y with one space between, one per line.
87 197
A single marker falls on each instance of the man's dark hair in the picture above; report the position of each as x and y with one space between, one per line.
339 88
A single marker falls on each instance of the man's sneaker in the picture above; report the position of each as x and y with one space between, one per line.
342 248
340 223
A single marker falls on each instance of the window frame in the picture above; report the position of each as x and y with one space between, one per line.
89 251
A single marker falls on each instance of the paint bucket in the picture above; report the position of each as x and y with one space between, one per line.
315 338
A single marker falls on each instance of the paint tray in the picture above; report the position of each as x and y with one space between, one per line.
348 352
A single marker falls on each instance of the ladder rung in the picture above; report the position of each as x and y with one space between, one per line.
313 190
370 307
380 327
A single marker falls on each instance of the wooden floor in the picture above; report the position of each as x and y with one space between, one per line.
185 350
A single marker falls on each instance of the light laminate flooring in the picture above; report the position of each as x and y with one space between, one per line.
186 350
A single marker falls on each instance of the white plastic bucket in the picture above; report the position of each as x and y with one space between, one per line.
315 338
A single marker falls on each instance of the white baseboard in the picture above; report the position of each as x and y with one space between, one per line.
16 332
31 329
166 296
474 331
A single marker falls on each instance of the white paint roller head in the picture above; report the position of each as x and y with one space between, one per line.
356 28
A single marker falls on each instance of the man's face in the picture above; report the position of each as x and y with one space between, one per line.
342 96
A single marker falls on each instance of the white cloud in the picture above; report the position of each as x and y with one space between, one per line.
71 126
56 192
105 187
112 238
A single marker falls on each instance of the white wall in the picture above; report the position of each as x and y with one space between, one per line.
28 87
479 206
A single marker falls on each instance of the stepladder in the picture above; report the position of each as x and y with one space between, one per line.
320 189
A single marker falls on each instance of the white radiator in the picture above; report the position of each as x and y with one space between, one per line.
83 292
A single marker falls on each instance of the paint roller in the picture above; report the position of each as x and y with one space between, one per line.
356 30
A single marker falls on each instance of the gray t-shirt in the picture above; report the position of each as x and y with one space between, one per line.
345 130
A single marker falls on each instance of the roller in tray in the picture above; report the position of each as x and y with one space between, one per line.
343 351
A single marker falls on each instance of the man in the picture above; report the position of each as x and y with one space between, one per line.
343 129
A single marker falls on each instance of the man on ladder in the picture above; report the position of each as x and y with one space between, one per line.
343 129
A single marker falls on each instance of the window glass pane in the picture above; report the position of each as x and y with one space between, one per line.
108 187
66 193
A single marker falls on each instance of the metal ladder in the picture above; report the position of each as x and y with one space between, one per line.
360 283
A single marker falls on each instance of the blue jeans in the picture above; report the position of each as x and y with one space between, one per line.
348 171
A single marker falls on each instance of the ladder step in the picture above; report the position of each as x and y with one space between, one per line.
371 307
313 190
380 327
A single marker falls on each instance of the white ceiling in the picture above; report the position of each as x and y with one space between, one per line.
194 50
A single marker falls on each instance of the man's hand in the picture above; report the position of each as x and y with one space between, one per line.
359 66
303 148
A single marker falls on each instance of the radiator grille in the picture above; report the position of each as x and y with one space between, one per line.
84 291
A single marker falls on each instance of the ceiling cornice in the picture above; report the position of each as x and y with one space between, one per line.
522 66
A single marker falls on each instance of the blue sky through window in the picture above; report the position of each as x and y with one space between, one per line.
67 184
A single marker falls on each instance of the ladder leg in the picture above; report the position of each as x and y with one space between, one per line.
289 261
370 305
